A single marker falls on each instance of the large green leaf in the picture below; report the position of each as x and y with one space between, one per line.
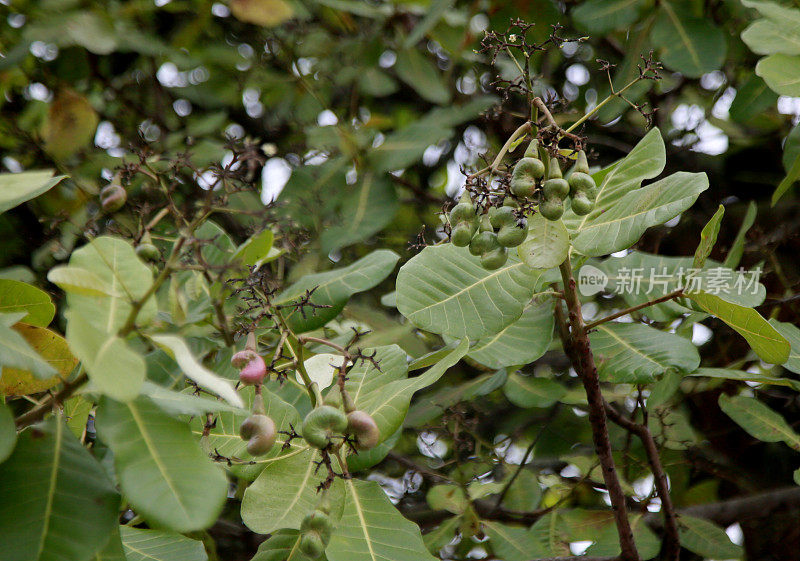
365 378
781 73
759 420
155 545
333 288
693 46
371 529
637 353
620 225
422 75
767 37
512 543
547 244
362 212
8 431
256 250
743 376
284 492
16 188
522 341
114 368
706 539
388 403
16 352
160 466
114 262
737 247
752 98
763 338
224 439
445 290
56 501
16 296
792 334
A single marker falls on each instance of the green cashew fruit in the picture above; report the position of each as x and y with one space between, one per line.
321 424
260 433
317 522
581 205
363 427
502 216
482 243
463 211
334 398
551 209
512 235
555 188
523 179
113 197
462 233
311 545
148 252
495 258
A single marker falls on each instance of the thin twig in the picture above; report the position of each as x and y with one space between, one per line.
37 413
671 296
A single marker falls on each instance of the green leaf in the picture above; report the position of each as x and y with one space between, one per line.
155 545
529 391
113 550
224 438
512 543
791 177
50 488
284 492
364 378
524 494
432 16
768 37
752 98
737 247
15 352
80 281
371 529
422 75
201 375
445 290
447 497
16 296
114 262
8 431
16 188
708 237
706 539
522 341
256 249
388 404
363 212
282 545
763 338
547 244
404 147
159 465
774 11
742 376
693 46
333 288
781 73
177 403
617 227
759 420
607 540
637 353
599 17
52 349
114 368
792 334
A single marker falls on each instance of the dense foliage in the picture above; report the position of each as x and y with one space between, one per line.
345 280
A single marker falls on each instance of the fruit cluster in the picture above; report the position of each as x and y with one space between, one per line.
334 419
315 530
490 235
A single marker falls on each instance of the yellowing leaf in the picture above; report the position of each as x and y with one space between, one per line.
52 348
267 13
71 122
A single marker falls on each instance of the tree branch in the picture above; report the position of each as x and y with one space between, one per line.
579 349
37 413
672 546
